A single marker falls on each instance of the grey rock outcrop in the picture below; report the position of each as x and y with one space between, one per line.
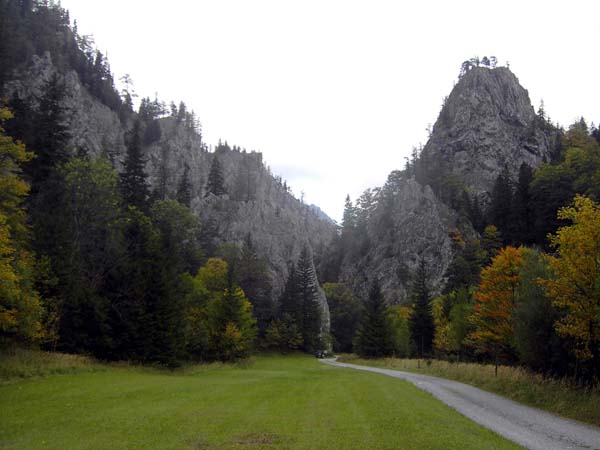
93 126
412 223
487 122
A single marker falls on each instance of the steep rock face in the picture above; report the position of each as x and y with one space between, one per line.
408 223
93 126
257 204
488 122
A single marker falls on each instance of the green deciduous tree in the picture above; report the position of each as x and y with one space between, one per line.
344 310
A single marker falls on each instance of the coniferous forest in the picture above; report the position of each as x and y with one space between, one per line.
137 254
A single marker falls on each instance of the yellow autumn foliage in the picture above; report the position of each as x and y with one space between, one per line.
575 287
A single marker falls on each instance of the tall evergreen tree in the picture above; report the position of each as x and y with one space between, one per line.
308 296
289 302
421 319
51 134
374 335
253 278
216 181
184 190
521 218
499 212
134 184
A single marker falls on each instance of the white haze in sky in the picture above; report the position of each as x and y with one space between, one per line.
336 93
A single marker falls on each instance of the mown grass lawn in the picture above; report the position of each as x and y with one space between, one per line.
291 402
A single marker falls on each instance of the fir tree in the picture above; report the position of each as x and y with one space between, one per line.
184 190
134 185
308 296
522 226
501 203
289 303
216 182
253 277
51 134
421 319
374 335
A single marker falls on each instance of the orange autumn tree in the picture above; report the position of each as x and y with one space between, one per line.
575 287
495 301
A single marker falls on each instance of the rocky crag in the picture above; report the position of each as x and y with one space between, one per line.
486 123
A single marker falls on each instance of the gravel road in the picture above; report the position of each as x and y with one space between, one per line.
529 427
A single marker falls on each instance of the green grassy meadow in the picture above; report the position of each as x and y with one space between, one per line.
274 402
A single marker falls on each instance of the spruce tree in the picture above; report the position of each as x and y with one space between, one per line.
184 190
374 335
308 296
51 134
289 303
421 319
216 182
501 204
134 185
522 219
254 279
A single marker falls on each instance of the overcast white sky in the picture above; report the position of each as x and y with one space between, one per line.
336 93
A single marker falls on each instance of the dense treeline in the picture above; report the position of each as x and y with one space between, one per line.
121 274
99 262
504 299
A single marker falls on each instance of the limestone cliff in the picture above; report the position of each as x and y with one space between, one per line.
256 204
487 122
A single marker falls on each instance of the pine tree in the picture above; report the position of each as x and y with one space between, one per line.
521 222
134 185
51 134
289 302
499 213
308 296
421 319
216 182
374 335
184 190
253 277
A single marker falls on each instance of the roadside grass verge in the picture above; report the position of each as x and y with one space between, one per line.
269 402
559 396
17 363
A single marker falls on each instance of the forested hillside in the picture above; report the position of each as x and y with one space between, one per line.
126 237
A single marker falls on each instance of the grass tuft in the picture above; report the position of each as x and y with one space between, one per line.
18 363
